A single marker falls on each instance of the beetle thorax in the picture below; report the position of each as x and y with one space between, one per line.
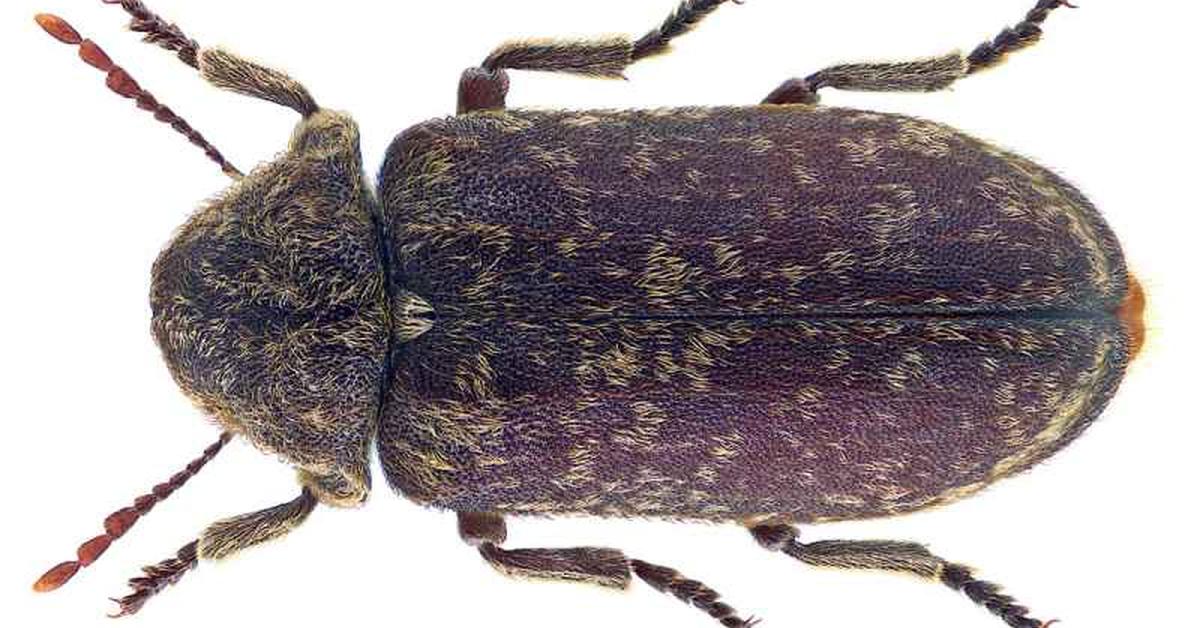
270 310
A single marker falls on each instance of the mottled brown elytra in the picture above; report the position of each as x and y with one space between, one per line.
771 315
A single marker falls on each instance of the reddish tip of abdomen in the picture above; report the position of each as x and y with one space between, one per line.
1133 316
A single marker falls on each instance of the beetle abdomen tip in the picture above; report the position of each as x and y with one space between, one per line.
1132 314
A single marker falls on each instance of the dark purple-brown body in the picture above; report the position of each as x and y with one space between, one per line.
728 313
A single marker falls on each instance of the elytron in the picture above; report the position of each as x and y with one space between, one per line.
770 315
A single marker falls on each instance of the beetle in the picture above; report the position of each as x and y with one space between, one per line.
770 315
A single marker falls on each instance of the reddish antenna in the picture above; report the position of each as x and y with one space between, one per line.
120 82
119 522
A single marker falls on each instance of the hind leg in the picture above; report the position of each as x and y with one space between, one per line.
595 565
910 558
923 75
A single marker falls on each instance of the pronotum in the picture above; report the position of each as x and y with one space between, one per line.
769 315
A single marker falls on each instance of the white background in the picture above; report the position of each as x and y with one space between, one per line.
1099 536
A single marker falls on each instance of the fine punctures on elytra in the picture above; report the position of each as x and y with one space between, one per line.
727 342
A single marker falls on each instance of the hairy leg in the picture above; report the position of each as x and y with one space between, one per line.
220 540
485 87
595 565
922 75
898 556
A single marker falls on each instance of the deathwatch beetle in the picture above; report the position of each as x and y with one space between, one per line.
771 315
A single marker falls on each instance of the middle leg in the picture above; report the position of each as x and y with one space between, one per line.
596 565
486 87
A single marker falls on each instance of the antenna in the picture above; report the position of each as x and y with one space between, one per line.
119 81
119 522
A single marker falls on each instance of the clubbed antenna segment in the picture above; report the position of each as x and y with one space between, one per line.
120 82
897 556
159 32
157 578
119 522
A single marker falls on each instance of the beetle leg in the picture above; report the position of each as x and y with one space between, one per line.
159 31
595 565
220 540
481 89
485 87
898 556
233 73
667 580
1024 34
219 67
923 75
